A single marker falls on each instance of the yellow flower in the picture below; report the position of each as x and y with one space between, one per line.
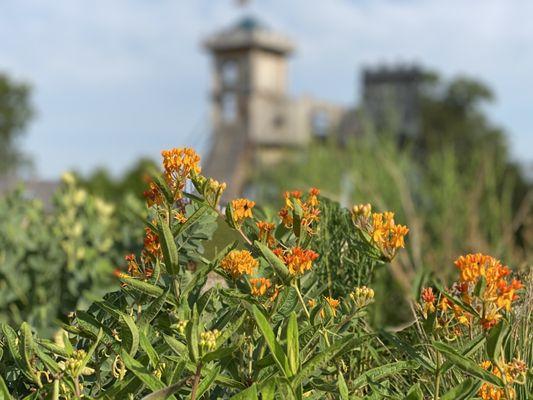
363 210
311 303
362 296
259 286
239 262
242 209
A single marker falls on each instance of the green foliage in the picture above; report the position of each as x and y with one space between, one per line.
54 260
167 331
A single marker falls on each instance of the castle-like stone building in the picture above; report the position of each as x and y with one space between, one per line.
254 118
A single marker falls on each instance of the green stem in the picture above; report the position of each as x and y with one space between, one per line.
294 285
437 377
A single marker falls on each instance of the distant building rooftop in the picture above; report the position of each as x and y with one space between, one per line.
249 32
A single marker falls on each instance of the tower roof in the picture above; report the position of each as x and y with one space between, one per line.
248 33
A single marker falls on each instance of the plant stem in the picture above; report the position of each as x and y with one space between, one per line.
294 285
437 377
196 381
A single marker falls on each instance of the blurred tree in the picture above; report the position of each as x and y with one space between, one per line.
101 183
15 114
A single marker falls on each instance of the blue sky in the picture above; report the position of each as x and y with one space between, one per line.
115 80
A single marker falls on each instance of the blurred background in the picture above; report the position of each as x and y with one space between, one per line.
421 107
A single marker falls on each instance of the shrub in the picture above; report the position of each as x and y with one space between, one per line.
274 329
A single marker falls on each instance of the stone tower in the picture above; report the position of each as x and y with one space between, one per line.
248 98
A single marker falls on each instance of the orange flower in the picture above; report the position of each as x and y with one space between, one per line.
179 164
239 262
428 298
242 209
265 232
333 303
153 195
298 260
311 303
511 370
260 286
151 242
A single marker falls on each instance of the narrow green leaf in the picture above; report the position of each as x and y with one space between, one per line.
165 393
466 364
272 343
11 338
148 348
293 346
192 336
343 388
153 309
495 340
179 348
229 330
207 381
279 267
90 352
130 334
415 393
323 357
249 394
383 371
141 286
168 245
458 392
147 377
191 220
3 390
26 349
219 354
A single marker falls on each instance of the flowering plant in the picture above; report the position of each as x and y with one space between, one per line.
272 327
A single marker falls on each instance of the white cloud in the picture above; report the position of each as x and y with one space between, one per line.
117 79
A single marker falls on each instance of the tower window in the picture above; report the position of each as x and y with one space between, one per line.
230 72
229 107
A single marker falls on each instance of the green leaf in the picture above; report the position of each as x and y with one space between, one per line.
90 352
272 343
467 351
11 338
458 392
141 286
415 393
268 390
495 340
26 347
166 392
130 335
192 336
249 394
279 267
343 388
148 348
191 220
179 348
293 346
230 329
323 357
409 350
153 309
219 354
168 245
4 392
383 371
466 364
140 371
207 381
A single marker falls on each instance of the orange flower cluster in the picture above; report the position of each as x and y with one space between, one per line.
153 194
298 260
381 229
333 304
239 262
152 247
265 233
498 293
260 286
242 209
178 165
489 298
512 371
134 269
310 209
